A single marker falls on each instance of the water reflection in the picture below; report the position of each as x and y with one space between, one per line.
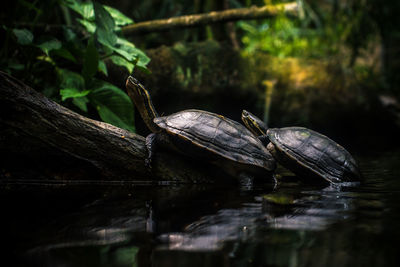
311 210
293 225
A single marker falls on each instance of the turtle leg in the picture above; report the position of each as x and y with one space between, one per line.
246 181
151 145
264 139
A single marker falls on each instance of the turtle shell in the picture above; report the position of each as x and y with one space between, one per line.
216 134
308 153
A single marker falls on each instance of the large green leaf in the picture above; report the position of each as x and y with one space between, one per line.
90 26
69 34
105 37
49 45
103 67
84 9
70 79
105 25
113 105
131 53
90 61
24 36
124 53
72 93
125 43
72 86
64 53
120 61
81 103
143 59
120 19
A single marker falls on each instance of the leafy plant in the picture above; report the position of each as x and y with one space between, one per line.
318 31
283 37
70 62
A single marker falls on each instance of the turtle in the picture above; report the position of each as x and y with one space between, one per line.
305 152
202 135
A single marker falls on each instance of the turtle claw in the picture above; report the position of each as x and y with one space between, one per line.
151 145
246 182
148 163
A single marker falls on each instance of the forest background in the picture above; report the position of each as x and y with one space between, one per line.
332 66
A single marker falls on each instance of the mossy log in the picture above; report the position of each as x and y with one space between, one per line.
37 129
211 17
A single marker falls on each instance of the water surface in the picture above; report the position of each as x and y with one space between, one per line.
203 225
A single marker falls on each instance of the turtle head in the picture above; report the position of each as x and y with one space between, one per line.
136 91
141 98
254 124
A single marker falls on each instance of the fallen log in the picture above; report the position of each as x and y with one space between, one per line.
35 128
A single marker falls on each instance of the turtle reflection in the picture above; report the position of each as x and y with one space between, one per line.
286 208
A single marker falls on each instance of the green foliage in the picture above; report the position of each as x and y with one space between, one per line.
24 37
283 37
49 45
90 61
316 32
70 62
113 105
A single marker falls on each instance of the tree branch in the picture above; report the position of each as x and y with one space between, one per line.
212 17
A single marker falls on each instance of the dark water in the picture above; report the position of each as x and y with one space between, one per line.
171 225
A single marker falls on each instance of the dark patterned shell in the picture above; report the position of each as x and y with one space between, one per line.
313 152
218 135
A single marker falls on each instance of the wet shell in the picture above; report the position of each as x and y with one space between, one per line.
306 152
